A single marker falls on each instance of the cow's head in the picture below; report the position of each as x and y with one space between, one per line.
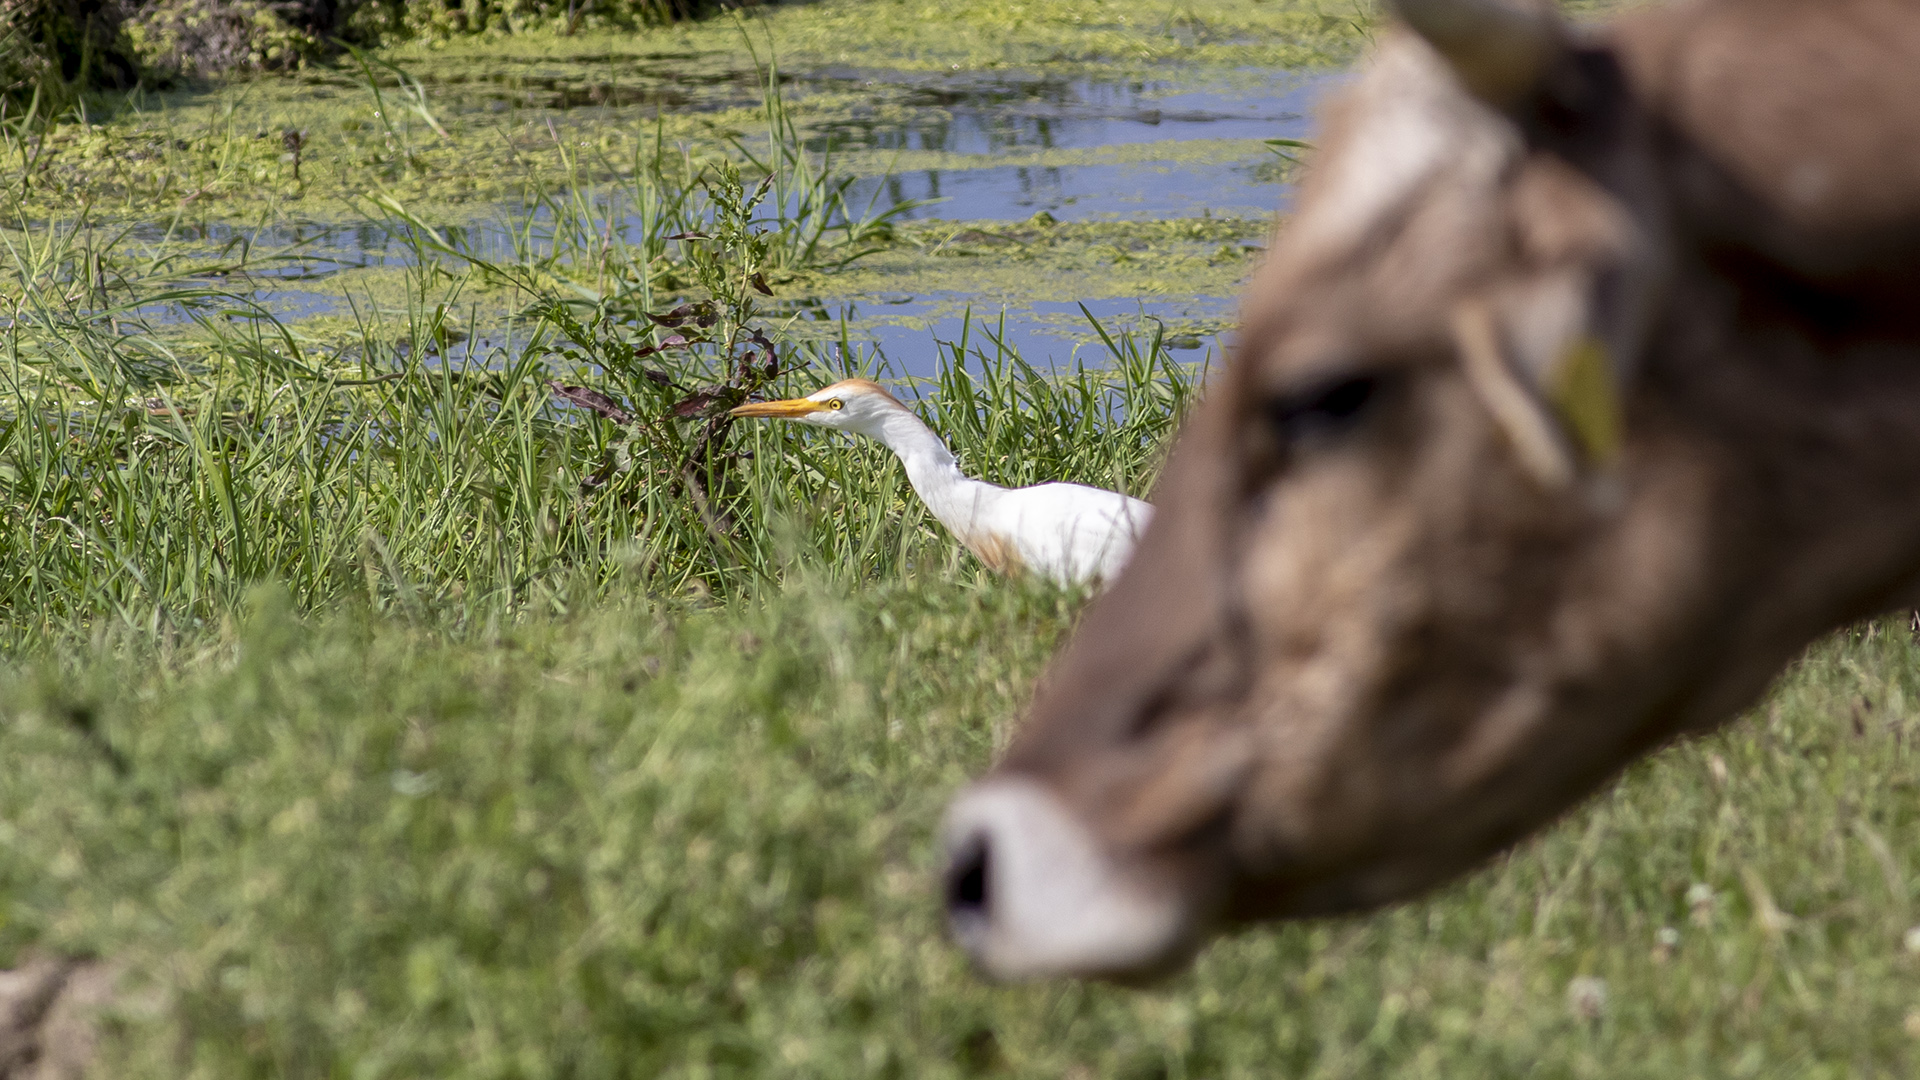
1400 598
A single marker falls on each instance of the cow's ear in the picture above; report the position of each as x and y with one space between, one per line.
1503 50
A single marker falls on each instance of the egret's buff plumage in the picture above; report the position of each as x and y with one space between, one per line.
1070 533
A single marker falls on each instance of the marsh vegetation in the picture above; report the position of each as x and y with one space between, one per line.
408 673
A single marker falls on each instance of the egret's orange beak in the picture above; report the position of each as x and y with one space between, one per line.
787 409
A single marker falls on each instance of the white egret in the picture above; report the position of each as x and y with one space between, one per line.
1071 533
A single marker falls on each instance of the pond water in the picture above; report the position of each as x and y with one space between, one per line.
984 123
911 335
1073 193
978 116
1001 150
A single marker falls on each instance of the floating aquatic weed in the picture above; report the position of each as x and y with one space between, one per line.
413 98
810 201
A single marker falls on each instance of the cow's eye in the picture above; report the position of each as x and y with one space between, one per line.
1320 411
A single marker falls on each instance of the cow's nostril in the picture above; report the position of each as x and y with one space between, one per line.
1029 890
967 879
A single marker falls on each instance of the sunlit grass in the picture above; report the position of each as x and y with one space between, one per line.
661 838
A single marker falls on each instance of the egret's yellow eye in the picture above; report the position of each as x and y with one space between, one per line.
835 403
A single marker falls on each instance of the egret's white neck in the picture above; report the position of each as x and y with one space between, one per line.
950 495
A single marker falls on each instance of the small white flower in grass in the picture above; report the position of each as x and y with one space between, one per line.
413 784
1700 900
1665 941
1587 997
1912 941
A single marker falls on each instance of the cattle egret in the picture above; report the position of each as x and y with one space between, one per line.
1070 533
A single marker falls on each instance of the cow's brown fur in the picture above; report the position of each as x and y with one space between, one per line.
1429 650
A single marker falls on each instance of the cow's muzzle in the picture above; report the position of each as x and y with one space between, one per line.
1030 892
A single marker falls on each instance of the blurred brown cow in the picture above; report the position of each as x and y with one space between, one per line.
1580 393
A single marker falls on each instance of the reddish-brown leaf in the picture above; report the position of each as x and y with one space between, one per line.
672 318
695 404
590 399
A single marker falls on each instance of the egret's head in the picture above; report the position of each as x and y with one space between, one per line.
855 405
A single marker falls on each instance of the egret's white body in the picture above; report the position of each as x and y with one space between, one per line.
1071 533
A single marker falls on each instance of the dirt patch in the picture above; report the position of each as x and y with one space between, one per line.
49 1008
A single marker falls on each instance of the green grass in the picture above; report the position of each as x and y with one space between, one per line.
668 839
464 488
